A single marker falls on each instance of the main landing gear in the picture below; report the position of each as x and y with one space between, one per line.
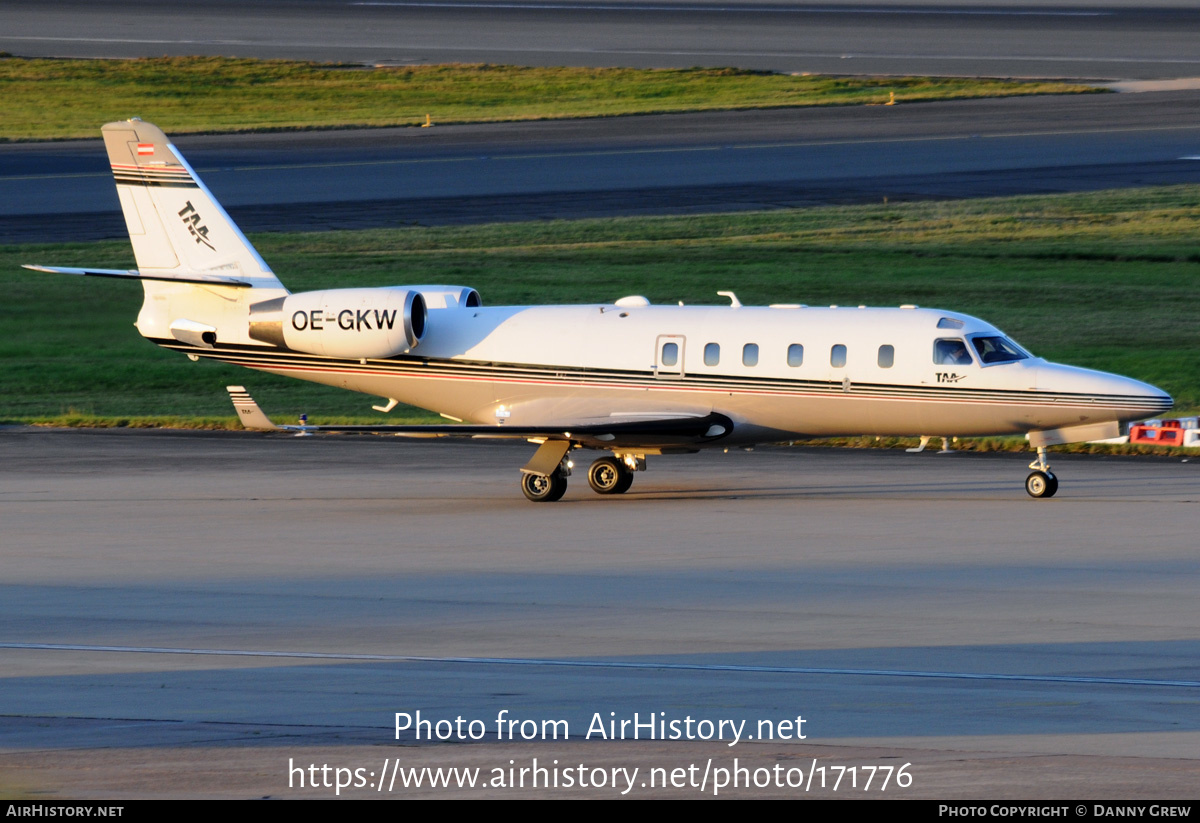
544 488
610 475
544 478
1041 482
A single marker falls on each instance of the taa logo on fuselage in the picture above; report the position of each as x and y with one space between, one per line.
192 220
949 376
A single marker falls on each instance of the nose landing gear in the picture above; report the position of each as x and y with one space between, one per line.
1041 482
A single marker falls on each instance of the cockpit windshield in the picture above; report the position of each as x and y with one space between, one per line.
998 350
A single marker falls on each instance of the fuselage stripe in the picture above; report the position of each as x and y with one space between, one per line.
551 376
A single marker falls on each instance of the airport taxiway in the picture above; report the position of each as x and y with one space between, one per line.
1070 38
680 163
184 603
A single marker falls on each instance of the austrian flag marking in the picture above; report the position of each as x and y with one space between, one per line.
144 149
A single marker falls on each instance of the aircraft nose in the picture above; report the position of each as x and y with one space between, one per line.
1128 398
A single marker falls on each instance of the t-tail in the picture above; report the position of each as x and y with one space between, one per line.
199 272
208 293
177 228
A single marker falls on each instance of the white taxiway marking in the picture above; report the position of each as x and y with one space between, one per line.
447 4
616 664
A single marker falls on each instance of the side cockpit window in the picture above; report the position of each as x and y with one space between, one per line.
998 350
951 352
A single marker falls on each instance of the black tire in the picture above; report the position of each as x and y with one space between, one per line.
558 482
608 475
1041 484
542 488
626 482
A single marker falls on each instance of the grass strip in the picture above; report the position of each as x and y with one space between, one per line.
57 99
1106 280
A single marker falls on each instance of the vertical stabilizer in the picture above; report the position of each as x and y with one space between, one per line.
175 225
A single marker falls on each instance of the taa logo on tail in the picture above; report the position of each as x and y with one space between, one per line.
192 220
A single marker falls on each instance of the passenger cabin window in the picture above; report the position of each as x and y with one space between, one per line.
887 356
998 350
750 354
837 356
795 355
670 354
712 354
952 352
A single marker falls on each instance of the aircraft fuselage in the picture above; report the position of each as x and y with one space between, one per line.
777 372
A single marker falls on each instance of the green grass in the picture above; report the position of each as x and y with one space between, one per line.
52 99
1105 280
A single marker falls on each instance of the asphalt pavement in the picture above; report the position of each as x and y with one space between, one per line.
1102 39
184 613
681 163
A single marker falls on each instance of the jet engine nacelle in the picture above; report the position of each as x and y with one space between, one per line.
449 297
355 323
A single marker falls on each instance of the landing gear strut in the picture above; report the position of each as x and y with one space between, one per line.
609 475
1041 482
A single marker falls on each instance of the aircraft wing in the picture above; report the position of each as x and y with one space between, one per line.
134 274
666 431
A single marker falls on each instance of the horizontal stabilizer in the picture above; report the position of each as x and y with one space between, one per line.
134 274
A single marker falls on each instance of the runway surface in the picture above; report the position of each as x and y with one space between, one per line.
183 613
722 161
1101 39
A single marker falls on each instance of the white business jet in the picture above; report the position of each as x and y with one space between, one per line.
627 378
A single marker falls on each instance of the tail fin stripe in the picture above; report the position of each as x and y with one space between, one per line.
174 173
158 184
131 175
149 167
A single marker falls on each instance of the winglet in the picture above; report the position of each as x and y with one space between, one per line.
249 413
